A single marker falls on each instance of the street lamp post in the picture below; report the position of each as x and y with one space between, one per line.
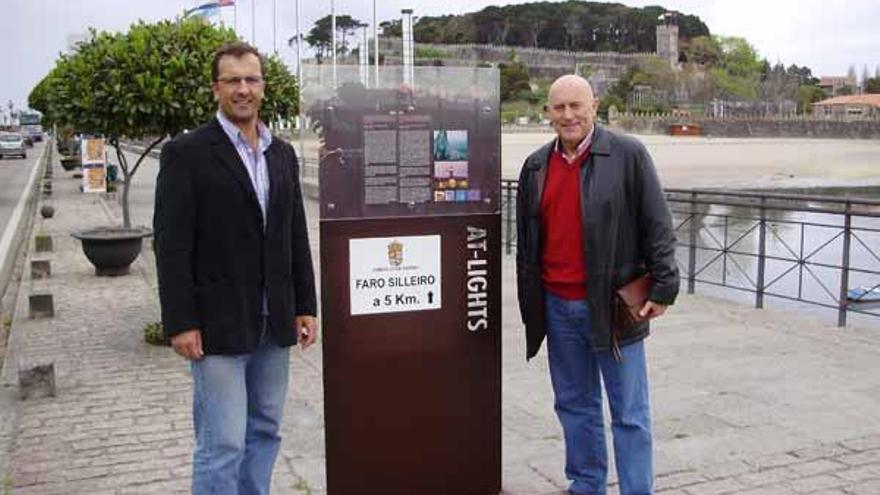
254 22
408 54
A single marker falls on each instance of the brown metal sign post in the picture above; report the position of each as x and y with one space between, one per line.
411 282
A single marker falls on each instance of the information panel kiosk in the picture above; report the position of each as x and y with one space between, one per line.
410 277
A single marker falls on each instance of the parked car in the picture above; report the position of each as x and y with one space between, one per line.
12 144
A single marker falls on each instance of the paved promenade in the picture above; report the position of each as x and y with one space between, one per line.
744 401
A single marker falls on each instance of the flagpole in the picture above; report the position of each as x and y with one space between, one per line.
274 27
299 39
235 18
299 81
375 47
254 22
333 42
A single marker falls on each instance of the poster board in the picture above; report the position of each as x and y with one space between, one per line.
94 165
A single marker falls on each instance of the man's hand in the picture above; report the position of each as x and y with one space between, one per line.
652 310
306 330
189 344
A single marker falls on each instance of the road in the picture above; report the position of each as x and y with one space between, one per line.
14 174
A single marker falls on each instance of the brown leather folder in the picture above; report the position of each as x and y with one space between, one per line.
630 298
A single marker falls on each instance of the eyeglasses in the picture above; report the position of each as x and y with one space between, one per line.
235 81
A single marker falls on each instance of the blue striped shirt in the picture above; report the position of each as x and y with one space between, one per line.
254 160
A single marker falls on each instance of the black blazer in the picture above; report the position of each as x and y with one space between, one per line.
212 254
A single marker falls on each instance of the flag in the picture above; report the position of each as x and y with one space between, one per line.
210 9
225 3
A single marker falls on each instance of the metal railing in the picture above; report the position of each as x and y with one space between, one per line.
805 248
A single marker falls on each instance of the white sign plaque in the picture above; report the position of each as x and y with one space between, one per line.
394 274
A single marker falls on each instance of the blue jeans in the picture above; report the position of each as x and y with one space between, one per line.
238 402
577 371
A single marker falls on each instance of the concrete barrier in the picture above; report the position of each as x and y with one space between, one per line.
43 243
41 269
37 382
41 305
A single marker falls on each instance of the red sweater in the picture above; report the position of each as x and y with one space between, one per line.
562 255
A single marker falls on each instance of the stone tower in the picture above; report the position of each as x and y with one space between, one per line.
667 38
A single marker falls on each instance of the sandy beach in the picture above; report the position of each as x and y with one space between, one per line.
737 162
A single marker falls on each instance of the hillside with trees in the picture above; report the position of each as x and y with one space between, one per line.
572 25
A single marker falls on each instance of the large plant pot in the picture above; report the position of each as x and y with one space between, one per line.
69 163
112 250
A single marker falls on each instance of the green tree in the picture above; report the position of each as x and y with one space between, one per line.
572 24
608 101
394 29
804 74
846 90
514 81
740 59
872 86
150 82
38 99
806 96
703 50
320 37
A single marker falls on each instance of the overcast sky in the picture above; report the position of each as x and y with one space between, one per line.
826 36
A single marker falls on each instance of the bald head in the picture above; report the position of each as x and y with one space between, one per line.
571 83
572 109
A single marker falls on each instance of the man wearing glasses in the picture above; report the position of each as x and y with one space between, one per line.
236 283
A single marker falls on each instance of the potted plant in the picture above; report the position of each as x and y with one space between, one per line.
149 83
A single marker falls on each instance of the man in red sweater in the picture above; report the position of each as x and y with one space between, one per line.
591 217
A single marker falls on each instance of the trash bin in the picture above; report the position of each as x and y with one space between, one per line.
112 173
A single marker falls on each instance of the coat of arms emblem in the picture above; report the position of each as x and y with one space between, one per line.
395 253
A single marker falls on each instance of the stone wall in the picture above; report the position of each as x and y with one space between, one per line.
541 62
795 127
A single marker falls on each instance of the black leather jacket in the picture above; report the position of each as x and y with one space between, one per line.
627 230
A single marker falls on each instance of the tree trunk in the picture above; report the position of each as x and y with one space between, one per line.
126 209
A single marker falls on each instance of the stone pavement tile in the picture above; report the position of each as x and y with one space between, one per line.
773 460
308 473
817 483
517 480
818 466
871 442
677 480
860 473
864 488
717 487
724 469
769 476
822 451
550 470
179 486
861 458
776 489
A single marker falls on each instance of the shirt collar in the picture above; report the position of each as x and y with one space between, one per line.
235 136
581 147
